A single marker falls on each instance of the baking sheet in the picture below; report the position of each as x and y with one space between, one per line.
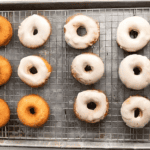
62 127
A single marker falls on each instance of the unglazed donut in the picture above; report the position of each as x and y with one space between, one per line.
34 70
4 113
135 23
5 70
6 31
87 68
134 71
129 107
34 31
81 42
33 110
84 110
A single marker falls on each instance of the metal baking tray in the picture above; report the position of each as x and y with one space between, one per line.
63 129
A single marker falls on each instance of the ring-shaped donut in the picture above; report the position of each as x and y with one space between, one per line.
33 110
138 24
134 71
91 114
81 42
130 117
34 78
34 31
87 68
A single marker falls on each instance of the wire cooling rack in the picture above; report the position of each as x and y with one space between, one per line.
63 129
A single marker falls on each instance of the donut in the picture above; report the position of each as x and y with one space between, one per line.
91 106
135 111
135 24
4 113
5 70
34 70
34 31
81 42
6 31
33 110
134 71
87 68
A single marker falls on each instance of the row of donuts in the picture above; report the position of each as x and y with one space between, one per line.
90 106
134 70
35 30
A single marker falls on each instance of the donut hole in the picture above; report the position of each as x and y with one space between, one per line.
133 34
35 32
88 68
81 31
91 105
33 70
137 70
137 112
32 111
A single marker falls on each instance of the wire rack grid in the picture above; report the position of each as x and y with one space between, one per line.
62 88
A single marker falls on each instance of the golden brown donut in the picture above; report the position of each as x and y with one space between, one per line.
6 31
4 113
5 70
33 110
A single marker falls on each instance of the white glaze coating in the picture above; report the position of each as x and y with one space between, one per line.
26 30
26 64
135 23
128 108
87 77
81 42
85 97
127 75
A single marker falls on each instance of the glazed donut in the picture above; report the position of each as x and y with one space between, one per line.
135 111
34 31
134 71
138 24
91 106
4 113
34 70
6 31
33 110
5 70
87 68
81 42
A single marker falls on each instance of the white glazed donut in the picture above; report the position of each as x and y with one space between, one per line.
138 24
84 109
81 42
87 68
134 71
26 31
130 117
34 79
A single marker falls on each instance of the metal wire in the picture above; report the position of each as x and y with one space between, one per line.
62 88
